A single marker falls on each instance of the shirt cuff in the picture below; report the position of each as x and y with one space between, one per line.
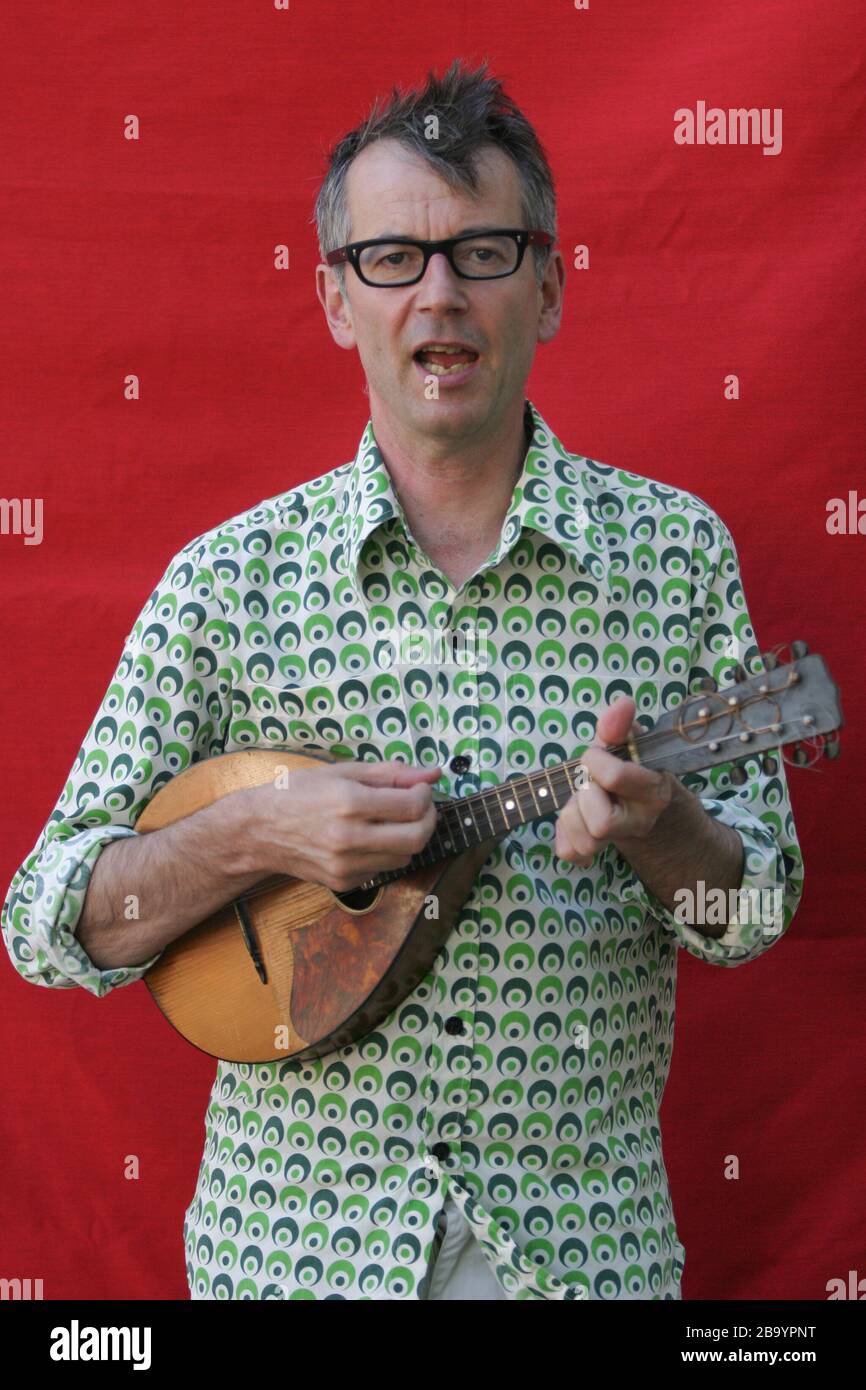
761 913
45 910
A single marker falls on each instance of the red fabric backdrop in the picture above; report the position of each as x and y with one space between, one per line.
155 257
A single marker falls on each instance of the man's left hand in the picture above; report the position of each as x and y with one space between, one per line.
622 800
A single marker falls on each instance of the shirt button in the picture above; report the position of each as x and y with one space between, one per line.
454 1025
461 763
440 1150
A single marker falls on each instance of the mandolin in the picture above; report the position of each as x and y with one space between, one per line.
295 970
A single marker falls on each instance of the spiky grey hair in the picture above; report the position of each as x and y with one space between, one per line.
473 111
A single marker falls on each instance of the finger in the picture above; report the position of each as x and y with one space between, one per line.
573 840
375 805
390 773
601 815
623 778
402 838
614 820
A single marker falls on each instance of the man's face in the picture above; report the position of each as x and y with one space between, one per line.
391 191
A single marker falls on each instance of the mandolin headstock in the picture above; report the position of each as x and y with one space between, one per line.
795 703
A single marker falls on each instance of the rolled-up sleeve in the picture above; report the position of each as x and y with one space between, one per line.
166 707
759 810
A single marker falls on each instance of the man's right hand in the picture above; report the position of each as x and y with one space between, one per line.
338 824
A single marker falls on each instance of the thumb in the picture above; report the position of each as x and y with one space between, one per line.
614 723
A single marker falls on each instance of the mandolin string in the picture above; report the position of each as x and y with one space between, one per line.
512 787
726 711
653 736
516 784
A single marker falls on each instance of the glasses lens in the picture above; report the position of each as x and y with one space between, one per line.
392 262
480 257
483 256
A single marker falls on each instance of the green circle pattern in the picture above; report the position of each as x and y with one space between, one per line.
275 629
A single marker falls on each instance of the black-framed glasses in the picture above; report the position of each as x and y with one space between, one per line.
389 261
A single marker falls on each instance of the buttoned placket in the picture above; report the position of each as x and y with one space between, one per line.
440 1138
447 1084
449 1061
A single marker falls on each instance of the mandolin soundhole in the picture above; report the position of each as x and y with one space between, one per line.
359 899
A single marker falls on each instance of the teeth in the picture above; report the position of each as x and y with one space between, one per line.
437 369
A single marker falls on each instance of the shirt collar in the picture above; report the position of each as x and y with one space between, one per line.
554 495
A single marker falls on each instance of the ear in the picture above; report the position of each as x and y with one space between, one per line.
550 297
338 310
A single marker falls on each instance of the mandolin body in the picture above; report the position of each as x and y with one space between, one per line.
294 970
334 965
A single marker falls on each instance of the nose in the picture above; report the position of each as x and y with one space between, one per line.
440 284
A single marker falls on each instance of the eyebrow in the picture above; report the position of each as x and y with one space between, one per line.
405 236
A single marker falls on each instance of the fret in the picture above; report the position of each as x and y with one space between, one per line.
513 789
529 796
530 781
471 811
447 844
457 819
552 791
523 789
533 809
460 824
451 823
564 792
437 835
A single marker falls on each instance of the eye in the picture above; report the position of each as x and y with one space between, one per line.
498 254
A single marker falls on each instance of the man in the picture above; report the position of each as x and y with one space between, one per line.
498 1135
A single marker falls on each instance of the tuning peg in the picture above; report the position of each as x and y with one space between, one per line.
832 747
740 673
799 650
708 683
769 765
739 775
770 660
799 755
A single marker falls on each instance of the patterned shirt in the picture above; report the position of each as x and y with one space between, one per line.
524 1074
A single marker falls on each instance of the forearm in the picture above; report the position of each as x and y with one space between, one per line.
147 890
685 846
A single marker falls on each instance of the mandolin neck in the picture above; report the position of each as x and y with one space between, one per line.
487 815
790 703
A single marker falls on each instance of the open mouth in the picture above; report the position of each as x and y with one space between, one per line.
445 361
